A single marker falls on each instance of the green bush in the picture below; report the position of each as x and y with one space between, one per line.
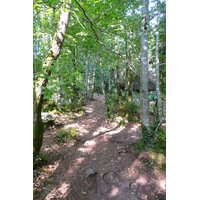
127 110
66 135
155 141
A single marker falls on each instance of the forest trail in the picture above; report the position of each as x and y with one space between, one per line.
101 165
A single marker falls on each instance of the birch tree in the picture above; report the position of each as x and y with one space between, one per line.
144 74
87 73
42 81
157 73
93 76
101 64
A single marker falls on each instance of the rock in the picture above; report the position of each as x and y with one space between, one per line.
47 119
90 172
84 193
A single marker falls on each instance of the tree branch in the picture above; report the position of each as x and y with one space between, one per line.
97 40
91 25
159 125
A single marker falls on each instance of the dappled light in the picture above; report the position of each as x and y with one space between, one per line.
141 180
114 191
72 169
107 156
60 192
99 96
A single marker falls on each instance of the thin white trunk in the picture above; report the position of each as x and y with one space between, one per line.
101 65
87 73
144 74
93 78
157 74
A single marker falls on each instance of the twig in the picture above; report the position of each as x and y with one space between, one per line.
78 20
159 124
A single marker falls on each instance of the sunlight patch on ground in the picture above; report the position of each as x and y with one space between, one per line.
89 110
115 131
90 143
83 150
114 191
163 184
111 132
75 166
71 125
136 127
141 180
135 137
99 131
62 192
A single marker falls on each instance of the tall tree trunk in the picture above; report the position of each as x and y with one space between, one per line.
109 81
93 77
42 81
117 71
87 74
157 74
74 57
130 74
101 67
144 74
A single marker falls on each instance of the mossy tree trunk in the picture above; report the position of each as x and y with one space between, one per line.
42 81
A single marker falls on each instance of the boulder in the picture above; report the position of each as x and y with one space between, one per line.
47 119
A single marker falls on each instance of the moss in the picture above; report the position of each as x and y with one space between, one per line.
37 137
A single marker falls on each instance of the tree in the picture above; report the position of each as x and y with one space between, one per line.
42 81
87 74
157 73
144 74
101 67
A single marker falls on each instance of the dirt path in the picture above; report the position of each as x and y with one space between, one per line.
104 151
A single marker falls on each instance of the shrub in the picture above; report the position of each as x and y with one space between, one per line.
66 135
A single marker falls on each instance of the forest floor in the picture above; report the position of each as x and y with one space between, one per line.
101 165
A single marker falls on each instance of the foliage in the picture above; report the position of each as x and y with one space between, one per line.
127 110
40 160
120 20
152 140
66 135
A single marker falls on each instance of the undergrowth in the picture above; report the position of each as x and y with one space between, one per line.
66 135
127 110
154 144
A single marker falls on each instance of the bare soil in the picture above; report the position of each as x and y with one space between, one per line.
107 149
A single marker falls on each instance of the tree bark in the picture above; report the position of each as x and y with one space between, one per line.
87 73
117 78
109 81
130 74
144 74
101 67
93 77
43 79
157 75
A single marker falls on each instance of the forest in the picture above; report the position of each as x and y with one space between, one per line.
99 99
